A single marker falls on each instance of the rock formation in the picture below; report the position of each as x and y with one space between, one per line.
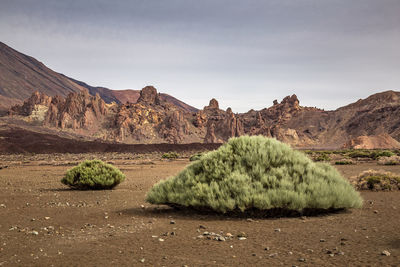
153 120
382 141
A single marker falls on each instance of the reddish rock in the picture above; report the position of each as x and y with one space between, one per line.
149 95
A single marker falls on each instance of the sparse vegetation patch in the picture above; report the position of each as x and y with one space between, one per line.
93 174
170 155
259 173
377 180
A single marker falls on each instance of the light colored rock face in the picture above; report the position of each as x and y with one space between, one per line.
39 113
372 142
153 120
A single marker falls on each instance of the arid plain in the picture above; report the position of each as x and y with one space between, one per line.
44 223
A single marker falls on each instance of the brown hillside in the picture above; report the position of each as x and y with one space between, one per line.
21 75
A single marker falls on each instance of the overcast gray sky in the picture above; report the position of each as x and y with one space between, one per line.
244 53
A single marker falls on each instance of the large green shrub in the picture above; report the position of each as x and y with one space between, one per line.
196 156
93 174
256 173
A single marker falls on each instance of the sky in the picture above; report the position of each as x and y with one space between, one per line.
243 53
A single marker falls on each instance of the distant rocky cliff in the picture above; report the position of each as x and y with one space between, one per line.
153 120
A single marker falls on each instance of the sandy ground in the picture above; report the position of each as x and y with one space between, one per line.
43 223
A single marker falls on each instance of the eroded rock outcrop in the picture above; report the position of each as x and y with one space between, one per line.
154 120
382 141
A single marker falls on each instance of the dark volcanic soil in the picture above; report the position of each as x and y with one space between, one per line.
17 140
43 224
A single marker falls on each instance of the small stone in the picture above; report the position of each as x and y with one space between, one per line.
273 255
310 250
228 235
385 253
302 260
331 255
277 230
376 212
3 205
250 220
340 253
221 238
202 227
290 253
172 222
142 206
35 233
142 260
322 240
161 240
253 254
266 248
242 238
242 234
47 218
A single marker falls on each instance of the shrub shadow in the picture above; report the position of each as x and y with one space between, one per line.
204 213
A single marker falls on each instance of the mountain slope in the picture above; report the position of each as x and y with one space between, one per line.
21 75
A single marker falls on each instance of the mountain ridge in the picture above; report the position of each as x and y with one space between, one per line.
21 75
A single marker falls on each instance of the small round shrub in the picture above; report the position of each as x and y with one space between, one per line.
256 173
382 153
170 155
377 180
393 160
322 157
93 174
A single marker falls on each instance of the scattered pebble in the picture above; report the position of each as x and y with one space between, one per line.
322 240
202 227
385 253
302 260
172 222
376 212
273 255
142 260
161 240
242 238
277 230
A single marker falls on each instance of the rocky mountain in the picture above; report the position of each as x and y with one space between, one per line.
22 75
55 101
153 120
